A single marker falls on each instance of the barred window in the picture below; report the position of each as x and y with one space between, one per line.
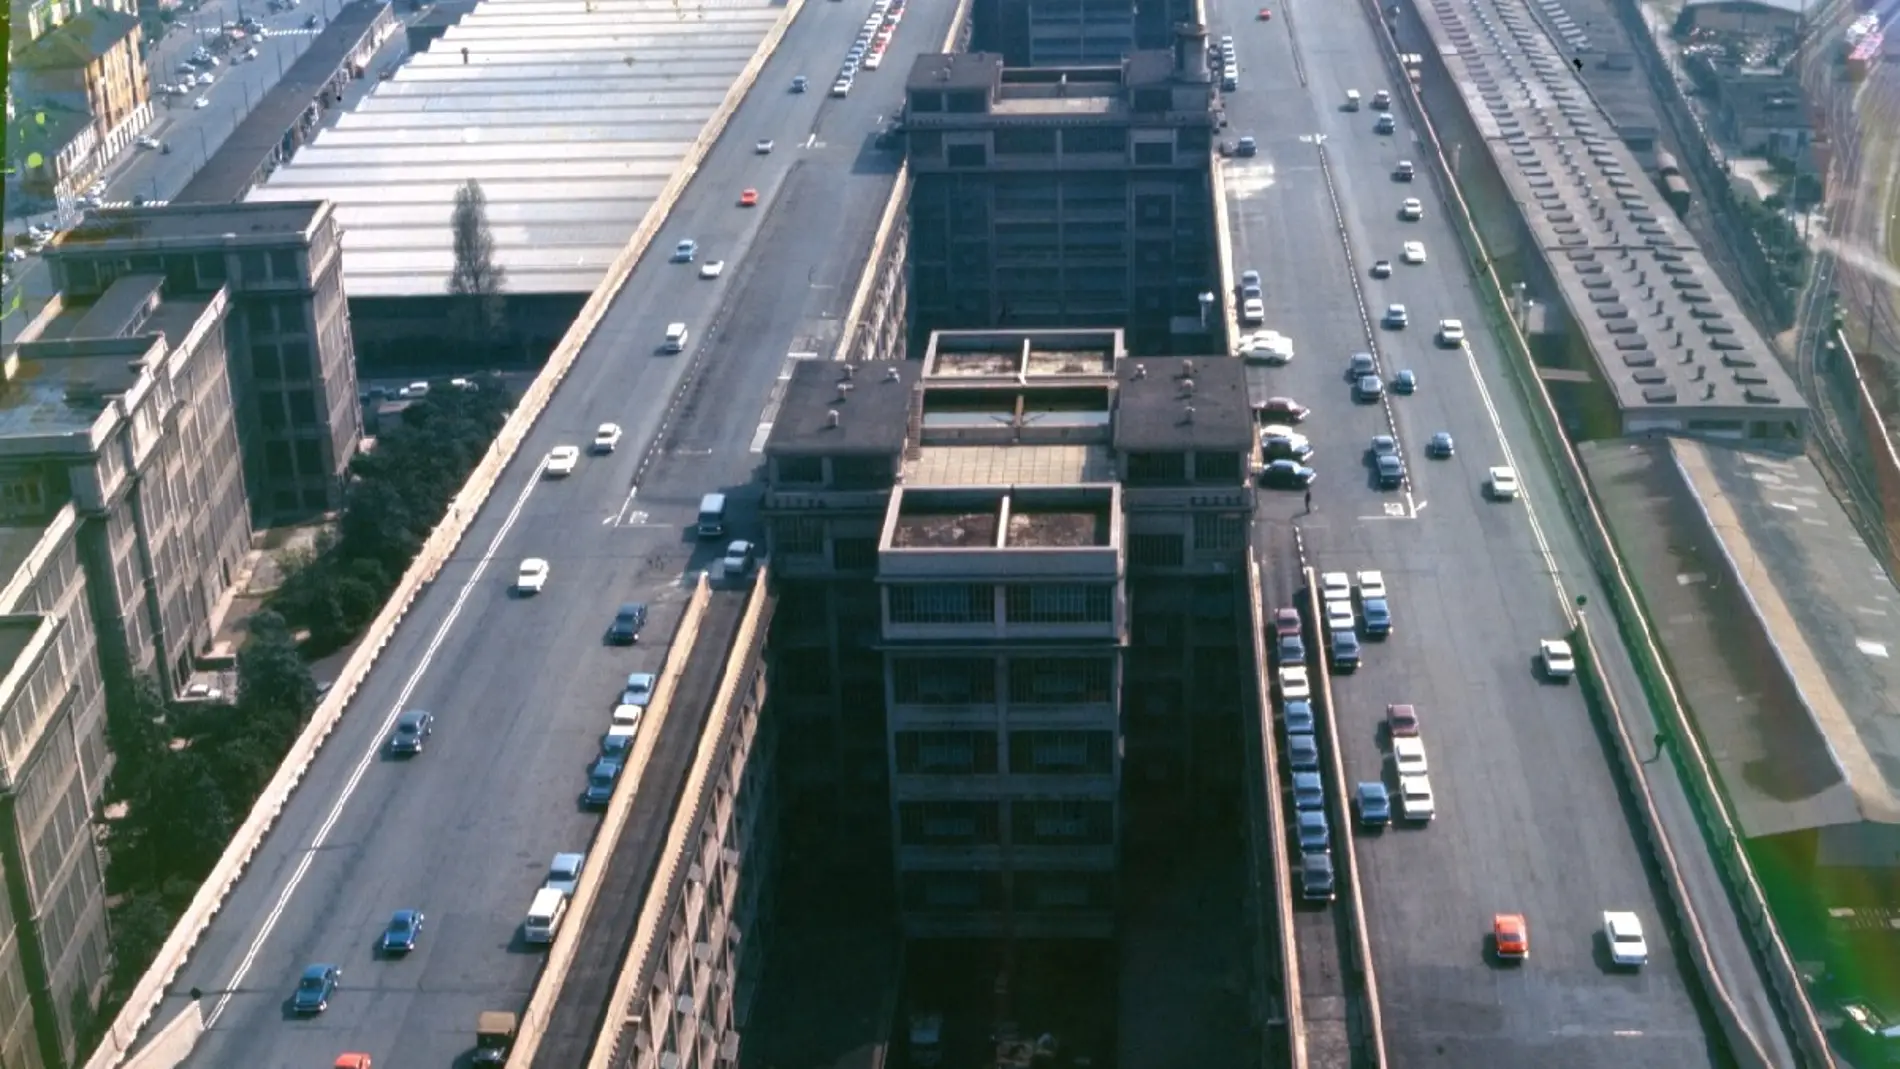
946 753
941 603
948 823
1064 891
1156 550
1060 680
1060 603
798 534
943 680
1223 530
1063 822
854 554
1217 467
1057 753
1157 469
800 470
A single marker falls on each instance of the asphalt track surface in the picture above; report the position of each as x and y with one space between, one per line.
1530 817
522 688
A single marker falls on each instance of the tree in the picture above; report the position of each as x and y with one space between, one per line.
272 677
476 280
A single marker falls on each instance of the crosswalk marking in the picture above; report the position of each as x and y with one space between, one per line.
129 204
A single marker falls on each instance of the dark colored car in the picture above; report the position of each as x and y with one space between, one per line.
1440 447
1290 649
600 782
1287 475
1374 804
1382 445
1377 614
1310 827
1309 791
1282 447
404 928
1281 410
1391 473
1316 877
1405 382
1368 389
1246 146
628 622
315 988
1359 365
1343 654
1302 752
1298 715
413 728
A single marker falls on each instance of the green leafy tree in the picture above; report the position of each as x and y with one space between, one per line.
191 819
140 924
476 280
272 675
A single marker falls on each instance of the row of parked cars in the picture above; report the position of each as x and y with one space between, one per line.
867 49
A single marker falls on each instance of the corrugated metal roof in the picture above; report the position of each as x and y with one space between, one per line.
572 114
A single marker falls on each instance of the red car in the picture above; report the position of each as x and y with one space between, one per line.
1512 936
1401 721
1266 15
1280 410
749 199
1286 622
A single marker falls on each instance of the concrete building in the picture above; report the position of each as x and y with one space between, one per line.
287 335
1047 197
1063 33
1764 113
89 64
960 545
1750 17
121 407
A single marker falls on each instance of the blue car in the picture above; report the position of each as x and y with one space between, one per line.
1375 804
1405 382
1299 717
1314 836
314 989
1302 752
1344 653
1440 447
1378 617
1291 649
1309 791
404 927
600 782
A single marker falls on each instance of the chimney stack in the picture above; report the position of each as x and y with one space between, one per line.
1190 54
831 419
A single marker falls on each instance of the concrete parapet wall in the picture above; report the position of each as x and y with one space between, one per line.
1771 952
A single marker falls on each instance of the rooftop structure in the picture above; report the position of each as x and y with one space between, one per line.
288 115
1666 336
1783 631
571 116
1049 196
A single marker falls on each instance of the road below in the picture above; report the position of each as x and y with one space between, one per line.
522 687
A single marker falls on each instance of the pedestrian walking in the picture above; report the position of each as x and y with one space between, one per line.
1309 501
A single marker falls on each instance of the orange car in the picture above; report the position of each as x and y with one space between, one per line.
1513 936
749 199
352 1061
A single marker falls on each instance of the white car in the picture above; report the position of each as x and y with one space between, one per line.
1451 333
712 269
1412 210
148 142
1253 310
201 102
607 437
1371 585
1335 586
562 460
841 87
1408 756
1339 616
763 147
874 60
1624 932
1267 347
1413 252
628 715
1558 661
1501 484
1396 318
533 576
1415 798
1295 686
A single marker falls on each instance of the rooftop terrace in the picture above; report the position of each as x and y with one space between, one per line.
1666 334
1018 354
998 518
194 224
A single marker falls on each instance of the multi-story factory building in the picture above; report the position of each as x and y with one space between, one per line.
1044 197
961 543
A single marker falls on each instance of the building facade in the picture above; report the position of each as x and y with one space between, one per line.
54 950
287 335
954 540
1062 33
87 64
1046 197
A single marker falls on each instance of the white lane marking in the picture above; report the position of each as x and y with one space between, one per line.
376 745
1537 529
620 515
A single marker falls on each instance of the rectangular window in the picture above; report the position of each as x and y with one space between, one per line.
303 408
946 753
1219 531
1153 469
947 823
309 458
943 680
1154 153
1059 603
296 360
1030 141
973 156
854 554
941 603
1156 550
283 266
798 535
800 470
1062 822
22 495
1113 139
1061 753
1060 680
1217 467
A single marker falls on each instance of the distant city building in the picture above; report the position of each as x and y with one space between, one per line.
1060 33
77 95
122 522
288 333
1009 577
1045 197
1745 17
